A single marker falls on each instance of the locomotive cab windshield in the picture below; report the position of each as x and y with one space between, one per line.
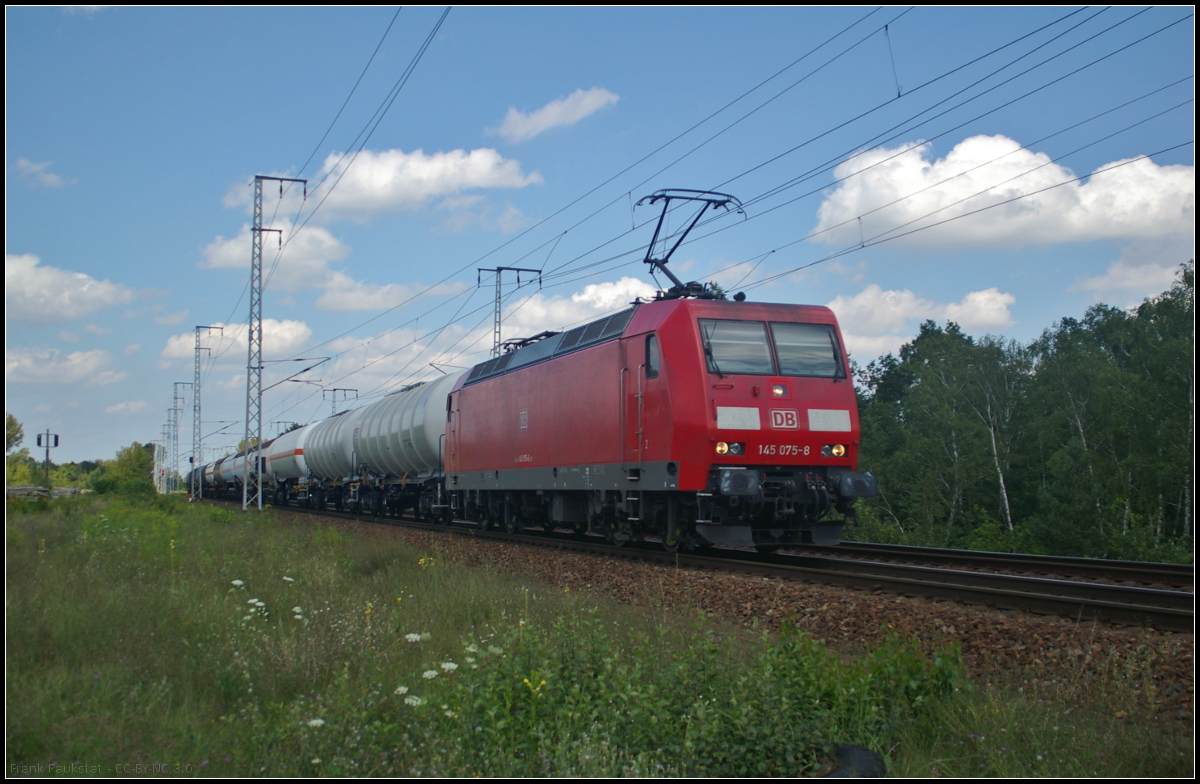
759 348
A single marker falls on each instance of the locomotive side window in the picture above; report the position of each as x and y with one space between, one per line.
652 358
807 350
738 347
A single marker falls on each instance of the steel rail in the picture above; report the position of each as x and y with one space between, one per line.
1139 571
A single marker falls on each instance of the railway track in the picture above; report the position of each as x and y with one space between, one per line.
1167 609
1117 572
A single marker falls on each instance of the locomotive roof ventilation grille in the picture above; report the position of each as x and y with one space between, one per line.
599 331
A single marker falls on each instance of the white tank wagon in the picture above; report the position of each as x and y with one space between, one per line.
383 458
403 435
285 467
329 450
229 470
284 457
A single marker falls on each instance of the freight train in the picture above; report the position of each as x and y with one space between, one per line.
690 419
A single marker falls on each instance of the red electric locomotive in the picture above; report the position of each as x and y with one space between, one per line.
691 418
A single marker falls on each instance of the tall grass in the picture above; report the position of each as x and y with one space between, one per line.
162 637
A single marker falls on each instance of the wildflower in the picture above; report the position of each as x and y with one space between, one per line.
297 610
492 649
401 690
298 617
472 648
429 675
412 637
449 666
413 701
287 579
316 722
316 761
237 583
252 601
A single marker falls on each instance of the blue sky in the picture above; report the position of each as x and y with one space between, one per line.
523 138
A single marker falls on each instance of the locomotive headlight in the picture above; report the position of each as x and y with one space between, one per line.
722 448
731 448
833 450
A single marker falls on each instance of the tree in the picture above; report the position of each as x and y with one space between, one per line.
18 465
14 433
132 473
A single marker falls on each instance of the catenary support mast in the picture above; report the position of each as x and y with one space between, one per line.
251 477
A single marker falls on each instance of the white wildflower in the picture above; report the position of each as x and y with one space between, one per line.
413 701
472 648
287 579
401 690
237 583
252 601
429 675
316 722
492 649
449 666
412 637
316 761
298 617
297 610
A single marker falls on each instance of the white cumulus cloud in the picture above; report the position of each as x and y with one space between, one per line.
51 366
38 294
343 293
1139 199
394 180
304 262
279 338
539 312
876 321
36 175
1144 269
126 407
521 126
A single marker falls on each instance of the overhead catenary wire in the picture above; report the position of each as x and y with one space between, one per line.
564 271
578 199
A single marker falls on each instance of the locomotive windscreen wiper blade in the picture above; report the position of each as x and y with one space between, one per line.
708 352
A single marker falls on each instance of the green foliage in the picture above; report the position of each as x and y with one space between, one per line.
14 433
1080 443
131 474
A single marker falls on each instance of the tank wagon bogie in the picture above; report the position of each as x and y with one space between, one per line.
693 421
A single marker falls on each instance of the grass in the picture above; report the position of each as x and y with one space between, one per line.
157 637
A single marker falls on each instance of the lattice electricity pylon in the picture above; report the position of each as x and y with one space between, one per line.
197 488
251 478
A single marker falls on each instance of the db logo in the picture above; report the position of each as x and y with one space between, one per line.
784 419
